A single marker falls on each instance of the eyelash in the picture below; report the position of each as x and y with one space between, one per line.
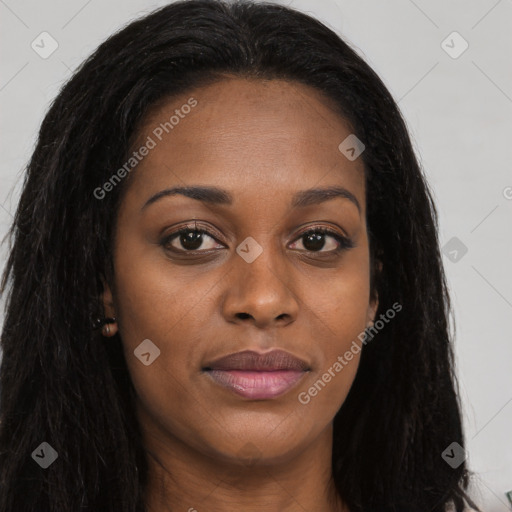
344 242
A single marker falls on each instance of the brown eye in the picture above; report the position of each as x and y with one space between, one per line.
188 240
317 239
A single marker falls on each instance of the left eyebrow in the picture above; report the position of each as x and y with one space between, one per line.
320 195
214 195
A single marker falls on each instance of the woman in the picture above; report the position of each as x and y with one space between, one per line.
226 291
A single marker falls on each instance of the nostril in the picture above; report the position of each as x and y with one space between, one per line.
243 315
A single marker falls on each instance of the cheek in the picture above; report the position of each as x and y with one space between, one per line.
340 313
339 347
154 299
166 306
341 300
156 306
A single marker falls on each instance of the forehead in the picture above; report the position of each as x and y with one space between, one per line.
250 136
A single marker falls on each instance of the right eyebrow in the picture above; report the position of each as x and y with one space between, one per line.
206 194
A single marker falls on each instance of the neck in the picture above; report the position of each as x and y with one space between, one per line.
182 478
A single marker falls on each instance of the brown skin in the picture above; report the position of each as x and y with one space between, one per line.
262 141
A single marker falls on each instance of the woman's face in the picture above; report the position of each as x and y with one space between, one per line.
255 282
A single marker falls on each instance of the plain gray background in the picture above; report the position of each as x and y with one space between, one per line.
458 108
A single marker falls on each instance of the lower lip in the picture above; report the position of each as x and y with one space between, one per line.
258 385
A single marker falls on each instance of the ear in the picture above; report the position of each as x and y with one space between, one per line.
107 299
373 306
372 309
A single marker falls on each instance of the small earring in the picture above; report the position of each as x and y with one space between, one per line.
106 328
100 322
370 324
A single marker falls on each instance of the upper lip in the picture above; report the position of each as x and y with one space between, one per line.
251 360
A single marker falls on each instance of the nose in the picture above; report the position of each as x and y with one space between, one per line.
261 292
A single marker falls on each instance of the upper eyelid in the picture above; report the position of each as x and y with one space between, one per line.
209 232
328 231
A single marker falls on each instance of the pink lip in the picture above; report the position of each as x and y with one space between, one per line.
258 376
257 385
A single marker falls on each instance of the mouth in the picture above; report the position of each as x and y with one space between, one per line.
258 376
